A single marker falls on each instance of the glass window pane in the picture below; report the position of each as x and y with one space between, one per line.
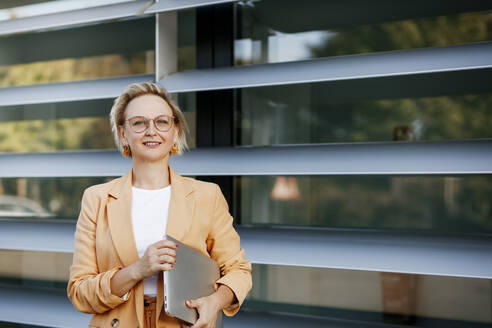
35 269
57 134
75 69
312 113
434 203
377 297
267 33
186 39
70 54
43 197
187 104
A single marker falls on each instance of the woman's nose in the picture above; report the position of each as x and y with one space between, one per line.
151 129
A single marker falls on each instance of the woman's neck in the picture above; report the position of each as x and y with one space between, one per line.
150 175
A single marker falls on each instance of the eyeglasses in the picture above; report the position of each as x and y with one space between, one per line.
162 123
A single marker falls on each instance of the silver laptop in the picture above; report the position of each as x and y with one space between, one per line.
193 276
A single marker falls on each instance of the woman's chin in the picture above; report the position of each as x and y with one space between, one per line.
150 157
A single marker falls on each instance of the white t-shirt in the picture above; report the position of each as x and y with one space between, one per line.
150 209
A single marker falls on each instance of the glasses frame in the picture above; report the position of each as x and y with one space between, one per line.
147 122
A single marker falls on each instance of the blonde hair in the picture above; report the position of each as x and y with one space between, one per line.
117 114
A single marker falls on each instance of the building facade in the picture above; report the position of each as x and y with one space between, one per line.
352 140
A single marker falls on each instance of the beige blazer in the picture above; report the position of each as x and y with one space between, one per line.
104 243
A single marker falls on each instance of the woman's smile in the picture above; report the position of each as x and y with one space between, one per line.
152 144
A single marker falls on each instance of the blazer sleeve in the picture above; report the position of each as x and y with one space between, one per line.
223 242
88 289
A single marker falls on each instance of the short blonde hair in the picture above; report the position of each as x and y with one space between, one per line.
117 115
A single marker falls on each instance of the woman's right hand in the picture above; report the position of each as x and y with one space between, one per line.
159 256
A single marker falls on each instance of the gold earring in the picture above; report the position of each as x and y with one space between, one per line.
126 151
174 149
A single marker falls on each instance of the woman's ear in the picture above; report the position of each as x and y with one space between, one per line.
121 132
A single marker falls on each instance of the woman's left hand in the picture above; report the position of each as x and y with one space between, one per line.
208 309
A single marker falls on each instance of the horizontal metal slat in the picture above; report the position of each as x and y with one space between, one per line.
69 91
382 251
90 163
43 307
53 309
378 158
37 235
73 18
333 69
171 5
392 158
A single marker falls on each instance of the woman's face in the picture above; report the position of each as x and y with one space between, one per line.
149 106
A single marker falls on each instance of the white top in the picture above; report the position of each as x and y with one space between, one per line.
150 209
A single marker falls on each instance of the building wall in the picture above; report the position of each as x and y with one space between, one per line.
356 139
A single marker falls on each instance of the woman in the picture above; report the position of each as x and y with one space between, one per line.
119 253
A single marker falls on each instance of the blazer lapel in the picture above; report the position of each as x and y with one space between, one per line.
120 219
181 206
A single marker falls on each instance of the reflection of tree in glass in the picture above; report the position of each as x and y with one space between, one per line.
407 203
52 135
444 204
432 118
408 34
74 69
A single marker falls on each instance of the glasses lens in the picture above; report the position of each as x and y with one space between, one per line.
138 124
163 123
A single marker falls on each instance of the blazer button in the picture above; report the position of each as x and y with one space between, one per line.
114 323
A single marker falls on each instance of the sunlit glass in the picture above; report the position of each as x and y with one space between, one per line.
140 124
